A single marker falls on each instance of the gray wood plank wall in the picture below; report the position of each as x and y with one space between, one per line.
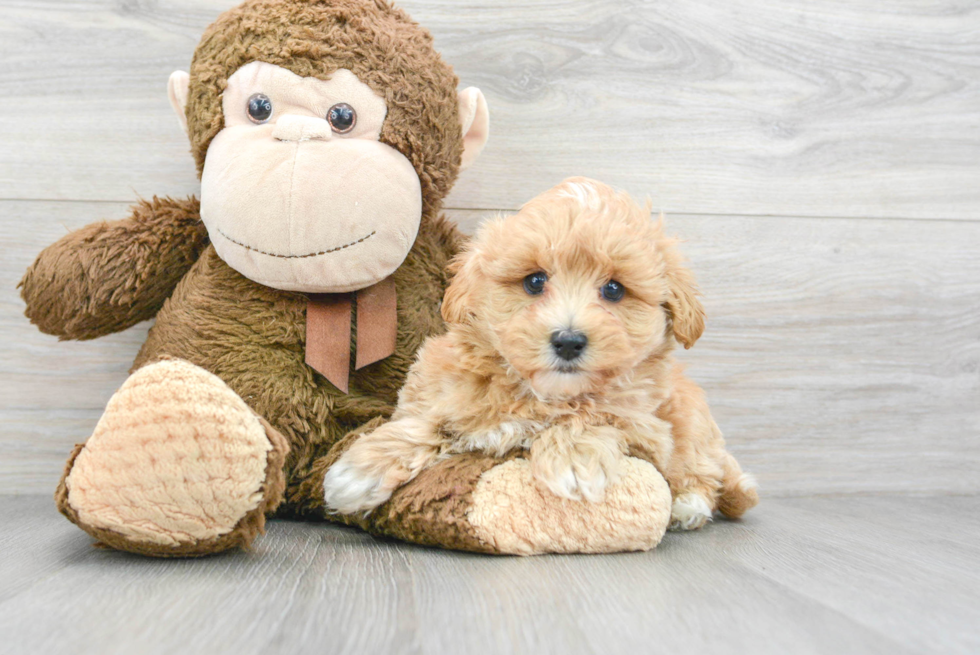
822 160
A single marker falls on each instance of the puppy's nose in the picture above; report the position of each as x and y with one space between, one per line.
569 344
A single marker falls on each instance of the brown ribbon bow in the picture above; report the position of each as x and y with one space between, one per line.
328 317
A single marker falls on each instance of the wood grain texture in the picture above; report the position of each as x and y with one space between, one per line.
838 108
841 355
827 575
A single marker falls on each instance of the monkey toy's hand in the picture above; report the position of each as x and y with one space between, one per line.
109 276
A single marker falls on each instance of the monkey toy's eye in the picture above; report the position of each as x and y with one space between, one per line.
534 283
613 291
259 108
342 118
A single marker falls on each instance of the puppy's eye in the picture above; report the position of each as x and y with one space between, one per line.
259 108
534 283
342 118
613 291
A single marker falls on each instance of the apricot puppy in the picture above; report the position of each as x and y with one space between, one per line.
562 319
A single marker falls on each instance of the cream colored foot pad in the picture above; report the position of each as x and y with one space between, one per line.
511 513
176 458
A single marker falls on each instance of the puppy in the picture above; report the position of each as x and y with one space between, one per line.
561 323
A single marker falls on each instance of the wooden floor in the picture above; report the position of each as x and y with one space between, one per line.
817 575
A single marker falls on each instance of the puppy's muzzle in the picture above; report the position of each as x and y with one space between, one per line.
569 344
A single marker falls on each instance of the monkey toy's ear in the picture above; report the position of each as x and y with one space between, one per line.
177 90
475 119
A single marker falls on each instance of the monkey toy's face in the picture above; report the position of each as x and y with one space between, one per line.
298 192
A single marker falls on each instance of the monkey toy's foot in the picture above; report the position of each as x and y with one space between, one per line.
489 504
178 466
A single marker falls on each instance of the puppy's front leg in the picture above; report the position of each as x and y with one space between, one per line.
578 462
378 463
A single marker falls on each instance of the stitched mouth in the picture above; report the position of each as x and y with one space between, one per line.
311 254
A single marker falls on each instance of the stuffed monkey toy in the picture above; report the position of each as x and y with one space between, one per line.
290 301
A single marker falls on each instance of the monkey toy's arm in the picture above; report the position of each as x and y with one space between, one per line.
109 276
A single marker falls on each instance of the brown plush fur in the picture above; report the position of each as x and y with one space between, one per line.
109 276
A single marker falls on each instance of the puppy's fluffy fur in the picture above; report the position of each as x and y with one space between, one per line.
495 381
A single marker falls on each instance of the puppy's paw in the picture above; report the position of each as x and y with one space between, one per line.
348 488
689 511
378 463
574 486
582 472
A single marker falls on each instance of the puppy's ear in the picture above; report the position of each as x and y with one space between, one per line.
457 303
685 309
